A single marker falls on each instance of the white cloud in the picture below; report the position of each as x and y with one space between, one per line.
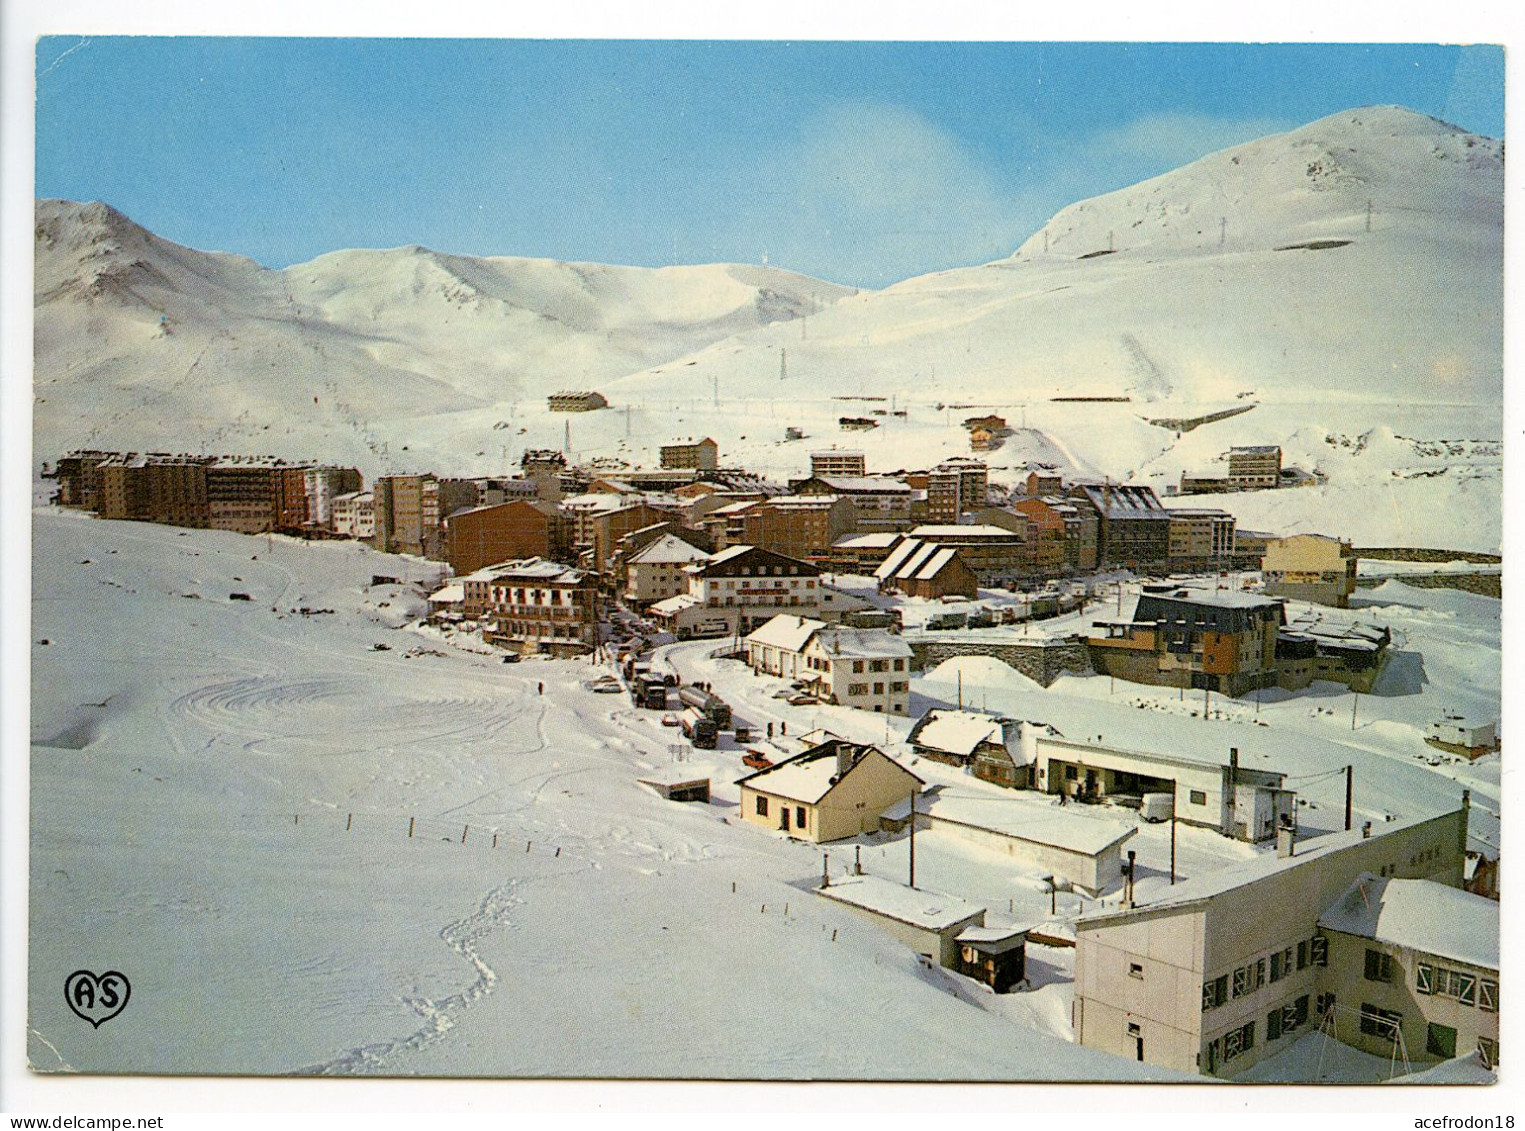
881 193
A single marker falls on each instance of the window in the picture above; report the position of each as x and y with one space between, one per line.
1199 797
1379 966
1071 773
900 664
762 806
799 816
1302 954
1136 970
1318 949
1273 1025
1383 1024
878 689
1440 1040
857 689
1489 1049
1455 984
857 667
1236 1042
1214 992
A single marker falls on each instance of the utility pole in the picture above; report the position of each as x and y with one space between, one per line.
913 838
1172 834
1368 215
783 363
1222 230
1356 699
1350 793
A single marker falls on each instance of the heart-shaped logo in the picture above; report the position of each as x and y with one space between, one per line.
97 999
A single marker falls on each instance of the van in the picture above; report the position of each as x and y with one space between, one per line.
1158 807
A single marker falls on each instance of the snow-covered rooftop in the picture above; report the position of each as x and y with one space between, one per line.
668 549
864 643
790 633
1420 915
957 732
1040 822
929 910
874 541
973 530
864 484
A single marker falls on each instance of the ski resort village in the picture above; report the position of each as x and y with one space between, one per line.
543 669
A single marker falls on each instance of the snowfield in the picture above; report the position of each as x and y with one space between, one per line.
223 791
196 762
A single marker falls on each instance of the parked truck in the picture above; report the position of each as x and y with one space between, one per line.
698 729
708 704
648 690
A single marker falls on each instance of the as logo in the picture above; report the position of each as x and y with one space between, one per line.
96 999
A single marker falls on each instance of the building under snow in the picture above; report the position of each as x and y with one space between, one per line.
1227 969
829 792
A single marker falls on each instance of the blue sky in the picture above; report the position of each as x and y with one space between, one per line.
863 163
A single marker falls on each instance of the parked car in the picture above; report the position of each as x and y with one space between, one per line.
669 720
802 700
756 759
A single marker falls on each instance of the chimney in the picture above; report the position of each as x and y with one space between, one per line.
1286 839
845 758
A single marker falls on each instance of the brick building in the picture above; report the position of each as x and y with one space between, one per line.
479 536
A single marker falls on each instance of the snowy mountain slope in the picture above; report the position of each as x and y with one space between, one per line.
1247 278
143 343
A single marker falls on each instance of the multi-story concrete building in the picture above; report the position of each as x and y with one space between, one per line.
743 586
1133 526
797 526
540 606
1043 479
1311 567
838 462
354 515
1201 538
955 486
576 401
251 494
78 478
1224 970
1217 640
701 454
1254 468
321 485
479 536
408 515
880 504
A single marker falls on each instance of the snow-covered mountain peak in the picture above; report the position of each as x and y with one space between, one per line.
1328 180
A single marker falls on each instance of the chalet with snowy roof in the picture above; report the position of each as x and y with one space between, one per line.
1133 526
863 553
1217 640
576 401
1416 964
829 792
994 555
741 587
988 746
1081 847
866 668
778 647
658 570
918 568
1219 971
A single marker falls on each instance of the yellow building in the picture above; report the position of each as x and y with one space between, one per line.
830 792
1310 567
